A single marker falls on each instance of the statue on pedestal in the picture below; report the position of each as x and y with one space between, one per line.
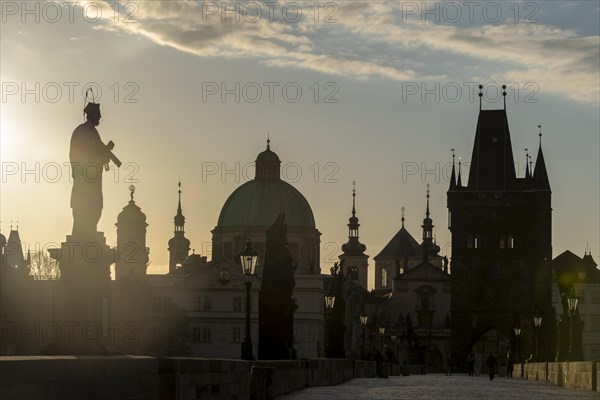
82 298
275 303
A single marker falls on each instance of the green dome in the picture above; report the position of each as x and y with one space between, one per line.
259 201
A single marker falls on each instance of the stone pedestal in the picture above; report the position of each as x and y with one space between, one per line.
81 300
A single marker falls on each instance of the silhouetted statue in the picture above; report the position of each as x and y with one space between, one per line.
88 155
276 307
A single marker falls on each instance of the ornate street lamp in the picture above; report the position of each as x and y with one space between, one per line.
363 322
517 334
381 333
248 259
329 302
572 301
537 322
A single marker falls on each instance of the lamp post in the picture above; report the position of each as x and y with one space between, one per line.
537 323
572 301
329 302
363 323
517 334
248 259
381 333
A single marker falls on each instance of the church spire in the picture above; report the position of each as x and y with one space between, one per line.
540 174
403 209
179 245
453 174
428 245
459 179
527 173
353 247
179 218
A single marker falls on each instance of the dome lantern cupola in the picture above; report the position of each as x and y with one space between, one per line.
268 164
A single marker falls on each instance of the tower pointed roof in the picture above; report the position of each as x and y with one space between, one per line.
453 174
459 179
540 174
401 246
131 212
179 219
353 246
492 163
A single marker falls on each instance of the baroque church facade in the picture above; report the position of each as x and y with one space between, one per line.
212 293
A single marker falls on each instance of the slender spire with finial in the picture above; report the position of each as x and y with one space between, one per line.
179 218
427 211
540 127
527 173
459 179
453 174
504 95
530 166
480 95
268 141
403 209
353 198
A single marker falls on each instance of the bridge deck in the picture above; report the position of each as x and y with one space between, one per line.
439 386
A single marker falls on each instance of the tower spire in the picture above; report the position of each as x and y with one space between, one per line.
504 95
480 95
353 198
527 173
459 179
403 209
428 245
179 218
268 141
540 174
453 174
427 211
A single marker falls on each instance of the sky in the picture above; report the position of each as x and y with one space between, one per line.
373 92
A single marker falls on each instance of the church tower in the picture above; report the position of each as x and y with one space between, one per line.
132 254
179 245
430 249
501 229
354 261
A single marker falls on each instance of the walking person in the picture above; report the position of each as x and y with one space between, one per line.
477 364
470 364
510 364
491 363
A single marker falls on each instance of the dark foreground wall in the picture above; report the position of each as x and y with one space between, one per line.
583 375
137 378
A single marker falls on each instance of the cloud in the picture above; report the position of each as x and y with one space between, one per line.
370 40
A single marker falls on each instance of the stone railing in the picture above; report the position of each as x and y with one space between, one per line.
133 377
583 375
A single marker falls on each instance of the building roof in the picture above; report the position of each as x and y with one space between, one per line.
570 268
402 244
257 203
492 163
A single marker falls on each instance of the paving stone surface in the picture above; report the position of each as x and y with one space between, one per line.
434 386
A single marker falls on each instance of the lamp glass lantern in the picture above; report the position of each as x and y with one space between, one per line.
537 321
517 331
363 319
329 301
381 330
393 337
572 301
249 259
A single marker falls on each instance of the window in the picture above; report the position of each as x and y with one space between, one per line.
237 335
384 279
228 252
237 304
469 241
502 242
476 241
196 335
595 296
202 304
510 242
581 295
201 335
